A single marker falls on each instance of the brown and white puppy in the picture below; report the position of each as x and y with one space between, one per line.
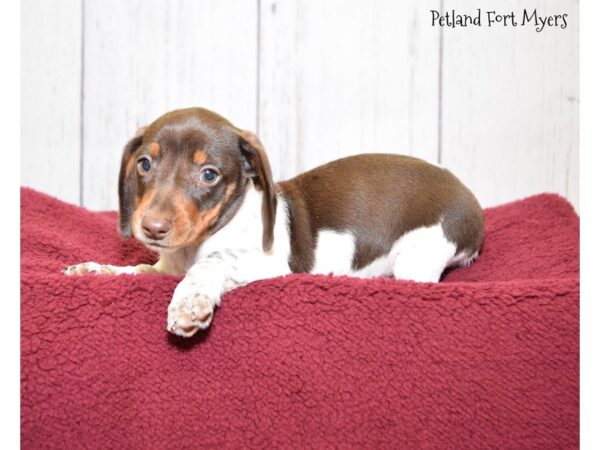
198 191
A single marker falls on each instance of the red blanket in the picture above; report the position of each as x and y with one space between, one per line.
488 358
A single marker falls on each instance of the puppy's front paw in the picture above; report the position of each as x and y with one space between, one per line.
189 311
89 267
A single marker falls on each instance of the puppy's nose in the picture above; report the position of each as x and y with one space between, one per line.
156 227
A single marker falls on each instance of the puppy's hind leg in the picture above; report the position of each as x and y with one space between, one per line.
422 254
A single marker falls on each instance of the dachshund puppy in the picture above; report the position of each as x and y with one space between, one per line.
199 191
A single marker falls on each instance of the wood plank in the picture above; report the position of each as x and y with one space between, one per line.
146 57
346 76
510 104
51 97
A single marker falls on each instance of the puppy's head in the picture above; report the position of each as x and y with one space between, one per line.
184 177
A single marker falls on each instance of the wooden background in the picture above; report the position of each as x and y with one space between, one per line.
317 79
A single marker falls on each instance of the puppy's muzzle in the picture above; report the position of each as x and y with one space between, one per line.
156 228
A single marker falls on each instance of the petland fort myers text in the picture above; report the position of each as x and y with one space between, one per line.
532 18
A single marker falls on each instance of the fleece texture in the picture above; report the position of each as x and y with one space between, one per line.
488 358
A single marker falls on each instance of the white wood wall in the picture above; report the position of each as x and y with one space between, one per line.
317 79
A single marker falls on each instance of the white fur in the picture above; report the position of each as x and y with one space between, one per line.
334 253
419 255
422 254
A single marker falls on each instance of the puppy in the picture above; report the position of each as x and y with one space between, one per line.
199 191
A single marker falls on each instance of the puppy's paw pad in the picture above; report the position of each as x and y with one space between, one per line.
189 313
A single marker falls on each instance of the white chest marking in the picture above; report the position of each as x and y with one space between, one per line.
239 243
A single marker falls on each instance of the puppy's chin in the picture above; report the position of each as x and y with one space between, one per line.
168 247
159 248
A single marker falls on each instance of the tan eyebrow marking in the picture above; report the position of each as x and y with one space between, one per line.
199 157
154 149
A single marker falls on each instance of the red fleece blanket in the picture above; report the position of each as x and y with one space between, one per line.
488 358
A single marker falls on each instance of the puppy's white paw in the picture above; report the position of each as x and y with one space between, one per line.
89 267
189 310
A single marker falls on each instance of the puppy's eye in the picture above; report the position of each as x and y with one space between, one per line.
209 176
144 164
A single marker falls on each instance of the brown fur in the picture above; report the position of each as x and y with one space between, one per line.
263 181
129 165
142 205
379 198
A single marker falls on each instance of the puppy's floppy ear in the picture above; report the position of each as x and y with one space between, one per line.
259 169
128 184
